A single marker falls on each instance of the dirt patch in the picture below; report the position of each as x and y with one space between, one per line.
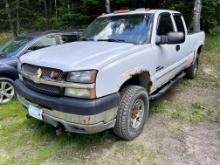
203 143
164 140
205 95
7 120
167 141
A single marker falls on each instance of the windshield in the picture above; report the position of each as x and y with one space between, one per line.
125 28
13 45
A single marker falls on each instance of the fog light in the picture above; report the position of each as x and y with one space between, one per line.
81 93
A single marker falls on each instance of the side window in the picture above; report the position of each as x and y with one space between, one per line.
68 38
179 23
165 25
44 42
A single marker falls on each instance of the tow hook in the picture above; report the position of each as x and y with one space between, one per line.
59 130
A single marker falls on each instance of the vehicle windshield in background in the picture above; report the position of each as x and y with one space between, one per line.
13 45
125 28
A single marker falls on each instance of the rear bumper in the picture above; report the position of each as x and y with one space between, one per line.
76 115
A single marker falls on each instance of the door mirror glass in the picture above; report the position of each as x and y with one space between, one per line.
171 38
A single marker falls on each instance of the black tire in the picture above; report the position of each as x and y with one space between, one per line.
123 127
191 72
10 83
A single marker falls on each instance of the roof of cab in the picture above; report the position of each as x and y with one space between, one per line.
139 11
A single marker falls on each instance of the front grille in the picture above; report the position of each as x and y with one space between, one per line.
43 88
46 72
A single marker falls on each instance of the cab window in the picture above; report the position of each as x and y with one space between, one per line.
179 23
44 42
69 38
165 24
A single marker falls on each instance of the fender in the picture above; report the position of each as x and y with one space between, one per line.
9 70
197 52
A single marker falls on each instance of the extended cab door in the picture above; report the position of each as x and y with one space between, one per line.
166 53
184 50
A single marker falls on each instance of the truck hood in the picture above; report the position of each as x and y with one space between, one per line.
82 55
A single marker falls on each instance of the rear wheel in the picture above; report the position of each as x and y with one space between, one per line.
7 91
191 72
132 113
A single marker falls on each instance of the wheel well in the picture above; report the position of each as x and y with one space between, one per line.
199 49
8 75
141 79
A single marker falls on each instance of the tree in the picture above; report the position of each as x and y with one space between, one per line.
10 20
197 15
67 14
46 14
55 6
17 17
108 7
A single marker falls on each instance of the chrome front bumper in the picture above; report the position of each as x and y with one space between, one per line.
87 124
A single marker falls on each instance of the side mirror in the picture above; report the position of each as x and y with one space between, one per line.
171 38
28 51
32 48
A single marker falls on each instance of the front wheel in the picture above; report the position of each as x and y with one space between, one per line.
132 113
7 91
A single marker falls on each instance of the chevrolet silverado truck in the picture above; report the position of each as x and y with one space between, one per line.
107 79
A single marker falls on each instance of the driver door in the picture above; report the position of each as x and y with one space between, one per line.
166 53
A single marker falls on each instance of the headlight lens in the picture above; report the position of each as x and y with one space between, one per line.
82 76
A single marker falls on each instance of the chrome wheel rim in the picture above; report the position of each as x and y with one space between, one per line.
137 113
6 92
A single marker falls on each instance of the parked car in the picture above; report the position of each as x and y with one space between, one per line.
21 45
106 81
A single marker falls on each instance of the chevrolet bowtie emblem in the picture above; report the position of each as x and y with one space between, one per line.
39 72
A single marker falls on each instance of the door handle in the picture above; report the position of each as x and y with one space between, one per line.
177 48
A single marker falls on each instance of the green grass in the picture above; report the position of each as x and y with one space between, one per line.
160 106
192 114
211 54
185 113
137 154
28 141
4 37
37 141
208 75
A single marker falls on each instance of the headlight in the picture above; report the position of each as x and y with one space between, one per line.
81 93
82 76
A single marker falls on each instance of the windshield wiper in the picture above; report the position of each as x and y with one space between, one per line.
112 40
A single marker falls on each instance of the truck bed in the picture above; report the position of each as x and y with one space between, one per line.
196 38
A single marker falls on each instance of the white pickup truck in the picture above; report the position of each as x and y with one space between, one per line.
106 80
